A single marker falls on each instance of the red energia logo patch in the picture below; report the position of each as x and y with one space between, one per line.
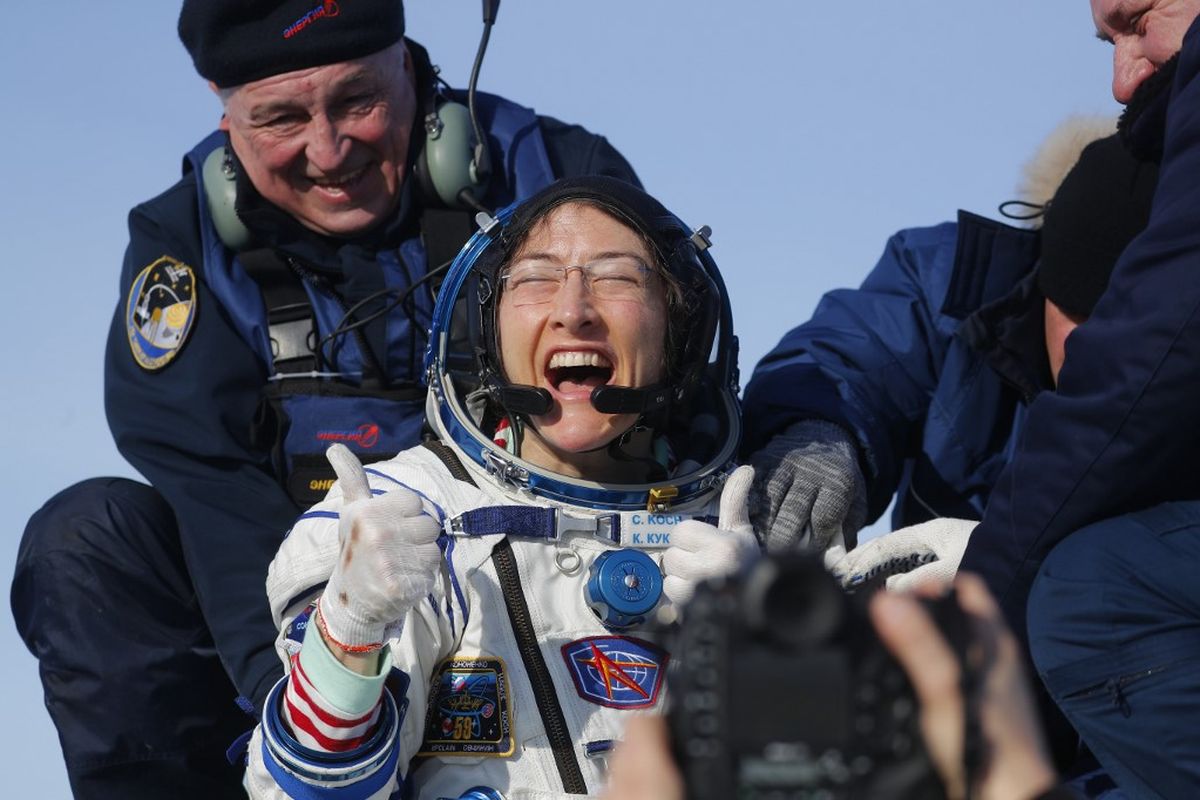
329 8
367 435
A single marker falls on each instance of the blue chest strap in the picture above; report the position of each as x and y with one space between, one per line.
533 522
623 528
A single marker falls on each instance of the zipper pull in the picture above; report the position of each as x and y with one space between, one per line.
1117 694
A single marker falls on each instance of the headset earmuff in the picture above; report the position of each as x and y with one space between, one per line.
447 167
219 175
454 165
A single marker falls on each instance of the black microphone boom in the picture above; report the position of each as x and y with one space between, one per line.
624 400
481 159
527 400
533 401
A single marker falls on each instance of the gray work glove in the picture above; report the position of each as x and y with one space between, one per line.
809 493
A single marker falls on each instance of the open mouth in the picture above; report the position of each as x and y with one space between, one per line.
340 183
578 371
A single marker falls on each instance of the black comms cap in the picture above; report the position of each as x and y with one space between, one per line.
232 42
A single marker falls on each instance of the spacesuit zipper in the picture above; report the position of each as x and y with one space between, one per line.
449 460
535 667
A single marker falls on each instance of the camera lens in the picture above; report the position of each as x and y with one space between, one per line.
793 601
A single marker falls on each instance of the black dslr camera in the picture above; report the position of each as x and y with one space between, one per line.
781 690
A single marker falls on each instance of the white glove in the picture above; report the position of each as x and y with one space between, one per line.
700 551
388 561
921 553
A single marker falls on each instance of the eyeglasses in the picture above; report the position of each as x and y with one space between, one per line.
531 282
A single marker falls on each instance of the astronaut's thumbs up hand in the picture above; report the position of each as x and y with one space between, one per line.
351 477
735 503
700 551
388 558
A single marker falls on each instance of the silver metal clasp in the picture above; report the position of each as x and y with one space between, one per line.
602 526
433 125
506 471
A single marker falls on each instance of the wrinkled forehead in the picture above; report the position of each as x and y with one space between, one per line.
580 228
379 70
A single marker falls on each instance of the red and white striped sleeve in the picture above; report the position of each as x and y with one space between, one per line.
319 724
327 706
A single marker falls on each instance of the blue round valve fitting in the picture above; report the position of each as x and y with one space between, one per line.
480 793
623 587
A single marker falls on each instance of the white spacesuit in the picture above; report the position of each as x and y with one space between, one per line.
518 649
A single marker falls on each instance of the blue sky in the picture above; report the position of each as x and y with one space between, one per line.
803 133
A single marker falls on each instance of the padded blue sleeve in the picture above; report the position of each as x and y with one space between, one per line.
869 359
186 427
310 775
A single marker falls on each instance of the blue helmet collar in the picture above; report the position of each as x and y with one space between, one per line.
460 362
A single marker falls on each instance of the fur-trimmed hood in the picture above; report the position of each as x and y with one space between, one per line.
1043 173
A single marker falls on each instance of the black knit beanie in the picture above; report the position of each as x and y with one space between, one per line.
1102 204
232 42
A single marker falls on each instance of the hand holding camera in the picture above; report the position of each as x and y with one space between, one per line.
1015 762
788 687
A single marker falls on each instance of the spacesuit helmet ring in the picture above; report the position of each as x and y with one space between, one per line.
693 408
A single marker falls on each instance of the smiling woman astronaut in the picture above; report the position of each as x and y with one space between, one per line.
582 373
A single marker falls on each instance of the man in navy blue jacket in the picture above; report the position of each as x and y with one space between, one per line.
914 385
1093 533
273 300
1091 537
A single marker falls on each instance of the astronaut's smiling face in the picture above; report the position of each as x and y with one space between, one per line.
577 337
